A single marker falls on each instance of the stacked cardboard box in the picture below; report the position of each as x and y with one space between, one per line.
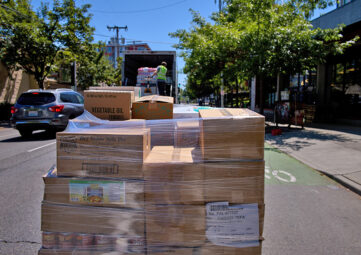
94 200
109 105
232 143
174 198
196 187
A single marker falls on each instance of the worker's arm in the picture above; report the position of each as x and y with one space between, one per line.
156 72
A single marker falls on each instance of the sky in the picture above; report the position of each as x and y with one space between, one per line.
147 21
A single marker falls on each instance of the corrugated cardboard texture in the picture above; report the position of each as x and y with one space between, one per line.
231 134
92 220
235 182
57 190
187 133
173 176
175 225
109 105
103 152
152 108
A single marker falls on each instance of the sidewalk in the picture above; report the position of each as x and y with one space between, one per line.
334 150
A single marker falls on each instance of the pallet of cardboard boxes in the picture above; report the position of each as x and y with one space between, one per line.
199 190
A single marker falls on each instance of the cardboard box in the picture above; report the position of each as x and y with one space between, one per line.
175 225
186 133
235 182
236 134
153 107
136 90
92 220
106 152
83 252
109 105
173 176
93 192
166 250
223 250
161 132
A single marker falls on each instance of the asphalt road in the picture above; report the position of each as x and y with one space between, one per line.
306 213
22 164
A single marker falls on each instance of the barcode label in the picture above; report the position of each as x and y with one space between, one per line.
218 208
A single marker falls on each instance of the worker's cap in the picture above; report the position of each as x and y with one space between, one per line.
164 63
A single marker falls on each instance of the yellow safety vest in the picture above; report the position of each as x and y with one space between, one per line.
161 73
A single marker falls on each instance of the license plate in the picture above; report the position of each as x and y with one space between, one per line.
33 113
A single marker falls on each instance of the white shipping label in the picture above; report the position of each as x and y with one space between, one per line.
233 226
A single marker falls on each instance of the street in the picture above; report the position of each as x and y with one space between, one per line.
306 212
22 164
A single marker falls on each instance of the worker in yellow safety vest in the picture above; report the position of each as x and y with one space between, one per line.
162 86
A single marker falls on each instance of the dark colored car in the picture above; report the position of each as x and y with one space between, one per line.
46 110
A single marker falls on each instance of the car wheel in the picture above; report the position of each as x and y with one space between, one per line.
51 132
25 132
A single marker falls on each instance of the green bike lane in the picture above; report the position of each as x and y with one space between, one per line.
283 169
307 212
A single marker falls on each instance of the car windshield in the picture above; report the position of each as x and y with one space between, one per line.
36 98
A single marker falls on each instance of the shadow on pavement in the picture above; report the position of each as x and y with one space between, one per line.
299 139
354 130
36 136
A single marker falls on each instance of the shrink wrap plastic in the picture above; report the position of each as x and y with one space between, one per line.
157 186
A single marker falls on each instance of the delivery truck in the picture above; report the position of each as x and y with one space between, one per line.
133 60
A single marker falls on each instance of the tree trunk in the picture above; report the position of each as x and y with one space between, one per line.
261 95
231 97
40 82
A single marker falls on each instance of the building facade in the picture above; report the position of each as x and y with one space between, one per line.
339 79
114 49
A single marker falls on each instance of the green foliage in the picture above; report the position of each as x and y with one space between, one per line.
118 72
94 68
32 41
255 37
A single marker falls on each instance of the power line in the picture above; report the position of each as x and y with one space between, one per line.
140 11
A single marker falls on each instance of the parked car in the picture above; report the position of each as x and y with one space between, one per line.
47 110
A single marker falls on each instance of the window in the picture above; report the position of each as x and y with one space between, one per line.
80 99
36 98
71 98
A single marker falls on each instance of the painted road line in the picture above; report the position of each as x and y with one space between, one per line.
37 148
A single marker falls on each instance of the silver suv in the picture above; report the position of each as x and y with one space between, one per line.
46 110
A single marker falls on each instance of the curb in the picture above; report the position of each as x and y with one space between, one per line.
351 185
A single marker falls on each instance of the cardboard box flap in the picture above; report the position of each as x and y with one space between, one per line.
156 98
228 113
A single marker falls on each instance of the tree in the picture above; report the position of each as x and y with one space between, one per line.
31 41
257 38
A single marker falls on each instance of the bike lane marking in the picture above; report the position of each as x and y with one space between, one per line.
280 168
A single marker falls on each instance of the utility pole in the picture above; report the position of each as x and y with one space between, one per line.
117 28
